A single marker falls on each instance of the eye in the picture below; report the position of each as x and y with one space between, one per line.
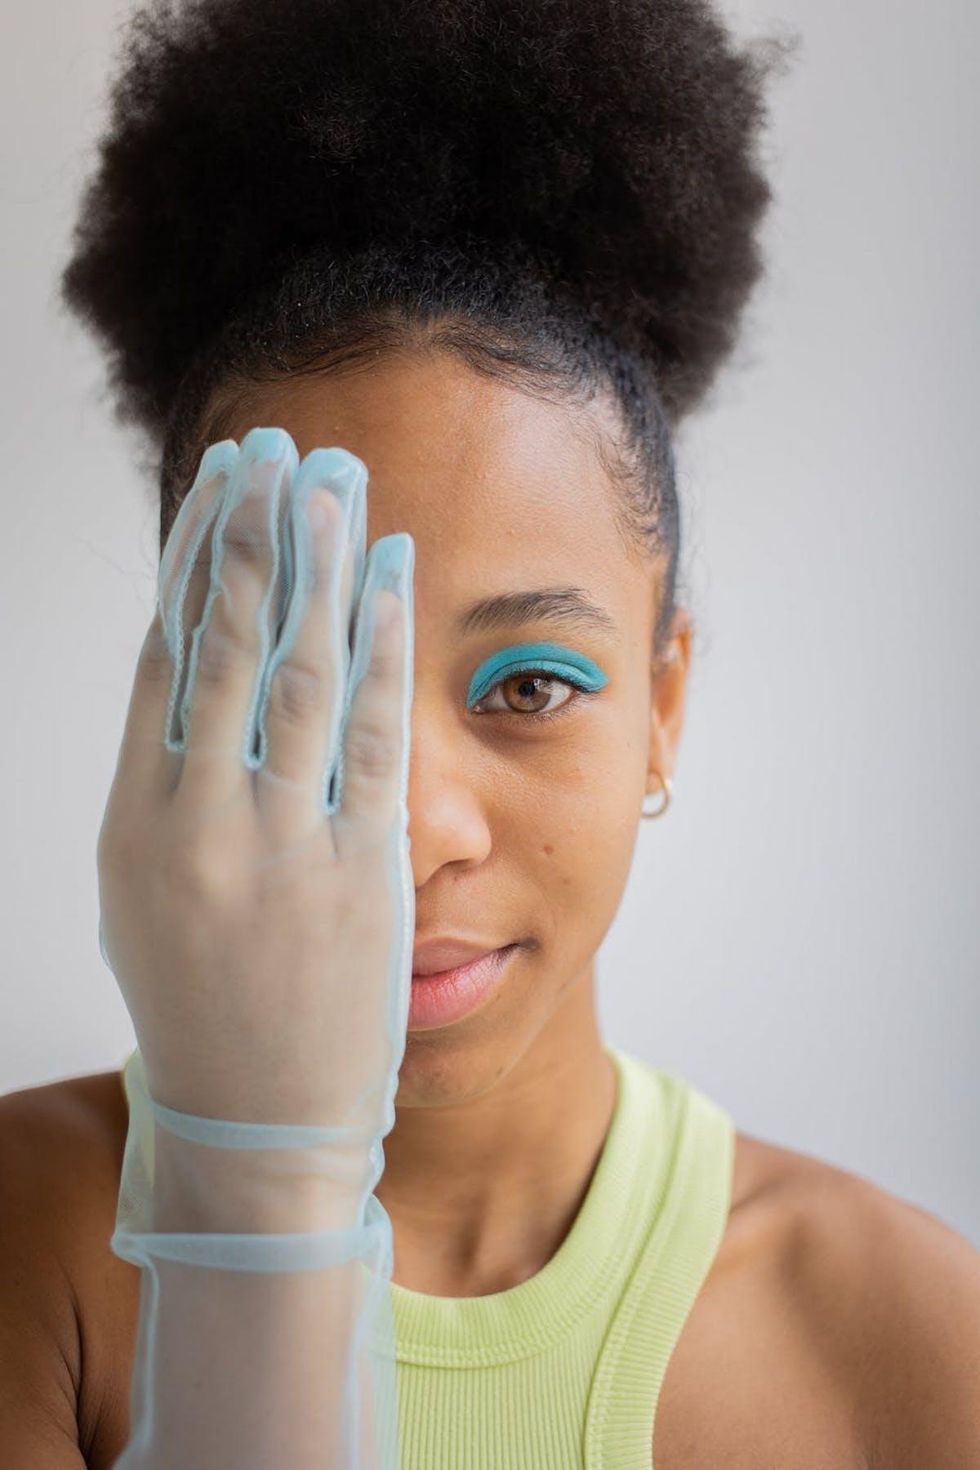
533 686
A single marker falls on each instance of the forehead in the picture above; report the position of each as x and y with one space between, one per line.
500 490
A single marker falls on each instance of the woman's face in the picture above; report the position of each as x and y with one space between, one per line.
522 828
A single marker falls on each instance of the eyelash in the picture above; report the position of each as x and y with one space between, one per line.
581 692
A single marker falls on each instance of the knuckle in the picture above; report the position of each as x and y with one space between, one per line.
382 664
248 544
197 872
373 751
295 693
180 873
155 665
219 655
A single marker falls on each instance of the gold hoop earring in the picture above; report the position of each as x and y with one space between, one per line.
667 787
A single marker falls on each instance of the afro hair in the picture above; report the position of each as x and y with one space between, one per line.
613 139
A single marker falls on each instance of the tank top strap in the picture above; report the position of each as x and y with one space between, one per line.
686 1225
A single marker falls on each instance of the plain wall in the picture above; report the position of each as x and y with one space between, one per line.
799 935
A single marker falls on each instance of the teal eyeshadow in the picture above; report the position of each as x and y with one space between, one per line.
549 658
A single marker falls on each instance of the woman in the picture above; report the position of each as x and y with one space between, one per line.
497 253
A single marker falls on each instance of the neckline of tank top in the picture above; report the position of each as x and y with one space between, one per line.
621 1206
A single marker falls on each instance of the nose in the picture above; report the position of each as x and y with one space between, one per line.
447 822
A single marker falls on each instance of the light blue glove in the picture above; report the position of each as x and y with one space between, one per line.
258 914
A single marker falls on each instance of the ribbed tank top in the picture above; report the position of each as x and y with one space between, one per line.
565 1369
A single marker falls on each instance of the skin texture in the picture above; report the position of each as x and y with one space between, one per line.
838 1326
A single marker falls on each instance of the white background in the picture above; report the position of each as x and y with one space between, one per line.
799 936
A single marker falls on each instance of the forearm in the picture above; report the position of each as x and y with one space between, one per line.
265 1275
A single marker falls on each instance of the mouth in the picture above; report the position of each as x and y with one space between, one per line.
444 996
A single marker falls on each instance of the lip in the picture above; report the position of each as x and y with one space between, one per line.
447 995
446 951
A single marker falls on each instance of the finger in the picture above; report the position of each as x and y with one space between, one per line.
144 765
185 568
234 635
146 760
303 708
373 772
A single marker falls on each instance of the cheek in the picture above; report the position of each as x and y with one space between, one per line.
571 823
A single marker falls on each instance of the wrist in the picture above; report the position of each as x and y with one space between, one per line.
200 1188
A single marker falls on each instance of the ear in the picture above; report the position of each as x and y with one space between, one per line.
668 689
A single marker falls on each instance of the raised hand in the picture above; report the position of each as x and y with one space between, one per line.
259 929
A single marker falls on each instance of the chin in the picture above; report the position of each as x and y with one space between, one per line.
450 1064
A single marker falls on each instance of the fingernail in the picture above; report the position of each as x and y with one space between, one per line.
217 458
316 511
267 445
394 563
330 469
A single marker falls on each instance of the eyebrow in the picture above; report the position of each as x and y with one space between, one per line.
559 604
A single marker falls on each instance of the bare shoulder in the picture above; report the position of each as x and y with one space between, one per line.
838 1329
68 1304
889 1293
62 1145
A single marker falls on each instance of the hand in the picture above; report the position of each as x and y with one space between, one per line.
260 936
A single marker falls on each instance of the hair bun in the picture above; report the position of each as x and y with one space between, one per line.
615 138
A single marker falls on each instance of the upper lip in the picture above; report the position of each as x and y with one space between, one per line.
445 953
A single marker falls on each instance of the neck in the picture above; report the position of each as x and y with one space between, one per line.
482 1193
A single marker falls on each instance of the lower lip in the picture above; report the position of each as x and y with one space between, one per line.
449 995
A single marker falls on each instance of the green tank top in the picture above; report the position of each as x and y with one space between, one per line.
565 1369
